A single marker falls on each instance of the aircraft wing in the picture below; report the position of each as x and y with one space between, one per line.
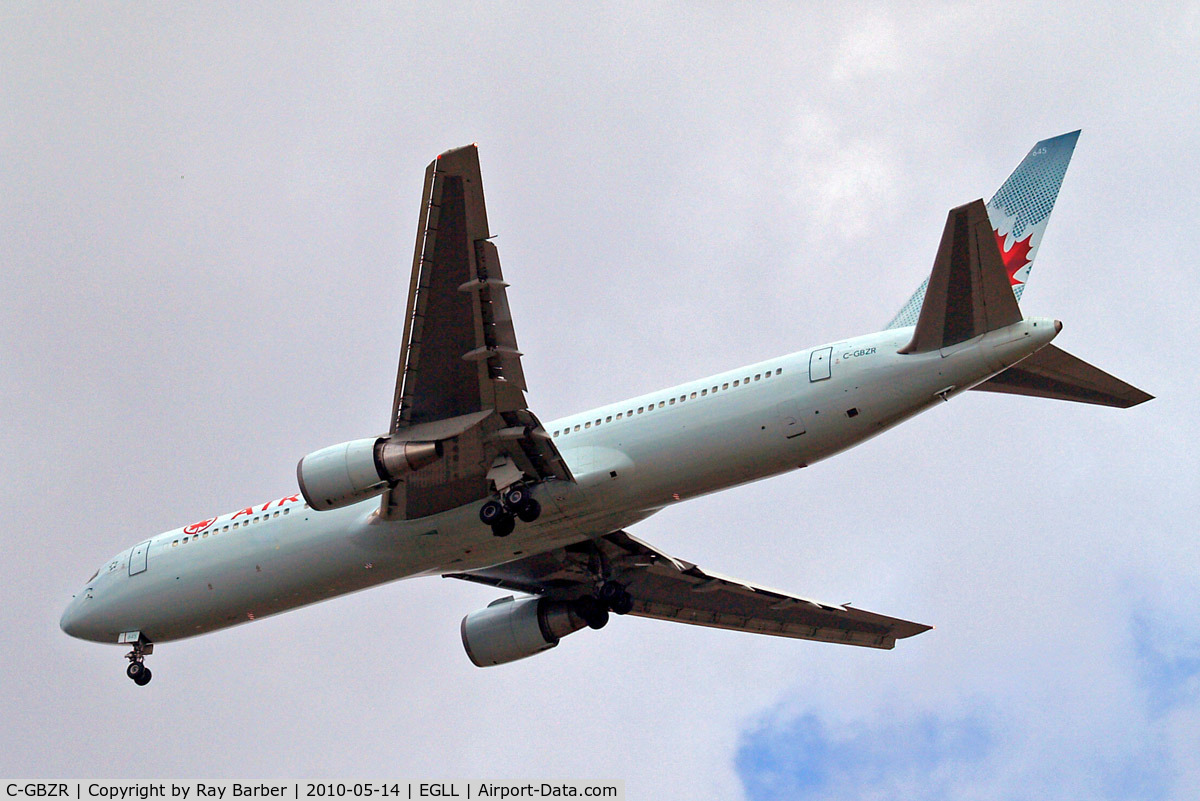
460 378
671 589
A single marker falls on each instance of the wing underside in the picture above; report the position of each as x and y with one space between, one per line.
460 369
666 588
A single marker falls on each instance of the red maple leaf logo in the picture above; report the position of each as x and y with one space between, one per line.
196 528
1016 257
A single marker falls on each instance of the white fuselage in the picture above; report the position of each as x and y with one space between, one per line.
629 459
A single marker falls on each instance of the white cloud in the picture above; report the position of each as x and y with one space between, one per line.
869 45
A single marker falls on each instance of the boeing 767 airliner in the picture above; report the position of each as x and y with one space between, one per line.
467 483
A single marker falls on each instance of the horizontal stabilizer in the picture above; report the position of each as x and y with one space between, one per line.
969 291
1054 373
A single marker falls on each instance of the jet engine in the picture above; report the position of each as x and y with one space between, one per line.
510 629
354 471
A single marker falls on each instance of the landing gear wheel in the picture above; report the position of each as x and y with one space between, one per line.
593 612
516 497
529 511
504 526
623 604
610 591
137 669
492 512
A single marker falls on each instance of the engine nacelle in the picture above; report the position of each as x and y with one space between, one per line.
354 471
510 629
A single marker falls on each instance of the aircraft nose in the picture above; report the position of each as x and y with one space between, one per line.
81 620
69 622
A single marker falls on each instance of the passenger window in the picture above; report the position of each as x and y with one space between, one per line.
746 380
587 424
629 413
757 376
619 415
640 409
276 514
662 404
725 385
736 383
185 539
768 374
703 392
672 401
608 419
693 396
556 433
285 511
204 536
174 544
778 370
682 398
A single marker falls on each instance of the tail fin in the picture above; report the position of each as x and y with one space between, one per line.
1018 212
1054 373
968 291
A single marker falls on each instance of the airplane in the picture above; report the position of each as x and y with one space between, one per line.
467 483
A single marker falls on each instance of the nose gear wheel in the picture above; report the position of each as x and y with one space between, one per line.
137 669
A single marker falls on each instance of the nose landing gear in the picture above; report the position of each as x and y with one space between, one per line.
137 669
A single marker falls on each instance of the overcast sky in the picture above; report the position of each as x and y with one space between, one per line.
206 224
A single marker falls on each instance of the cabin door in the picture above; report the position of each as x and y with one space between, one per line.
137 558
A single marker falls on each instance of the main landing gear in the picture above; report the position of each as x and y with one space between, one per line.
517 503
615 596
594 609
137 669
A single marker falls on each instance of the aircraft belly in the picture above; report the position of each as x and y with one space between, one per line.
324 555
691 452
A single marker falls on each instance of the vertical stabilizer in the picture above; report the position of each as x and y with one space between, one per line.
1018 212
1021 208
